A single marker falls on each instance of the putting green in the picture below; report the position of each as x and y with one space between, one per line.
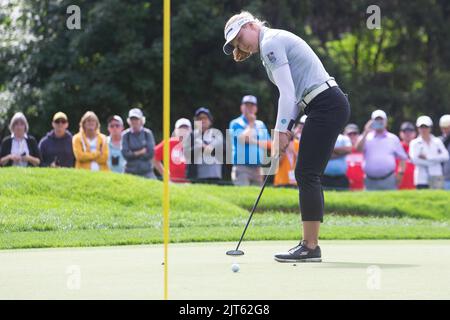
351 270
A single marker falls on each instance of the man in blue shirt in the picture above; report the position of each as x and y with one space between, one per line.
250 143
334 177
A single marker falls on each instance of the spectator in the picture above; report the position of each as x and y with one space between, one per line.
285 176
407 134
177 167
89 145
138 146
444 123
250 141
355 172
116 161
204 150
428 153
334 177
381 149
19 149
56 147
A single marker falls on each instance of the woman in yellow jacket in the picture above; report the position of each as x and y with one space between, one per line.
89 145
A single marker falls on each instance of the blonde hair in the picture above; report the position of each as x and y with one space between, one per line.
238 54
18 116
245 15
89 115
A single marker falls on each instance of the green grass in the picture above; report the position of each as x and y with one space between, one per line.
54 208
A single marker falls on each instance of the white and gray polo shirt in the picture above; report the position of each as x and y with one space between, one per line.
279 47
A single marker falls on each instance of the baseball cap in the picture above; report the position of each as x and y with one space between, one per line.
407 126
203 110
424 121
444 121
60 115
249 99
182 122
232 31
303 118
351 127
115 118
378 114
135 113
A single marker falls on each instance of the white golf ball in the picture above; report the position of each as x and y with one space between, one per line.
235 267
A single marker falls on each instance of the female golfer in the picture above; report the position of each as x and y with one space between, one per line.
303 83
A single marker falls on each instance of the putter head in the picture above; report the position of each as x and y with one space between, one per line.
235 253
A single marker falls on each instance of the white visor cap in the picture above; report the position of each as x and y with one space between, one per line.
424 121
232 31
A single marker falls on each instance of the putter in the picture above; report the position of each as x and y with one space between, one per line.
237 252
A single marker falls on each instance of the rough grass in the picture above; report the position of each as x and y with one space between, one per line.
54 208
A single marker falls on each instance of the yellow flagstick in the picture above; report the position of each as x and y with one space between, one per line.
166 137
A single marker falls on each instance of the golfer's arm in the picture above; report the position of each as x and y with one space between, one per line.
287 104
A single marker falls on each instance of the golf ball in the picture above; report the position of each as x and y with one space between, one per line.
235 267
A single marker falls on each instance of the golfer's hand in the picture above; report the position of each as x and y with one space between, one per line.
240 55
280 143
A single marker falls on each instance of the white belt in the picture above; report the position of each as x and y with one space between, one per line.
310 96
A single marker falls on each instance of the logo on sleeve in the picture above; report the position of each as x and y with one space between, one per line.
271 57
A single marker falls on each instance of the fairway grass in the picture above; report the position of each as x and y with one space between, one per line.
65 208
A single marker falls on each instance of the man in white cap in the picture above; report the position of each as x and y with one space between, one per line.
138 146
177 167
428 153
250 141
444 123
381 149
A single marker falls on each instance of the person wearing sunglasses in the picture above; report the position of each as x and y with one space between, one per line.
56 147
116 160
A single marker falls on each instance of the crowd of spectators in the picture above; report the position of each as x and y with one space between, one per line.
374 159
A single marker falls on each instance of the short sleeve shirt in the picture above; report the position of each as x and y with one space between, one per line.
338 166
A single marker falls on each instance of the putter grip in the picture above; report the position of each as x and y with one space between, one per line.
293 122
291 125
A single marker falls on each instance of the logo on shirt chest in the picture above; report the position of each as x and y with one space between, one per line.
271 57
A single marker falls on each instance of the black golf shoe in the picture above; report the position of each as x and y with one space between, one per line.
300 253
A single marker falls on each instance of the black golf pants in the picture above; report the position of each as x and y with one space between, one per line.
327 115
